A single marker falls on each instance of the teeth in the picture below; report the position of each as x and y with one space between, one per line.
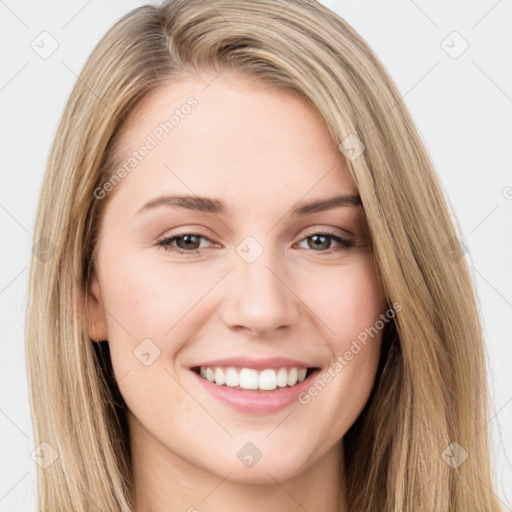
249 378
268 380
220 377
232 378
293 376
282 378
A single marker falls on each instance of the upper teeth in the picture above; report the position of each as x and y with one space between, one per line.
249 378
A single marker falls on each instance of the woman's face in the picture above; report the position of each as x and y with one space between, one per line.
235 276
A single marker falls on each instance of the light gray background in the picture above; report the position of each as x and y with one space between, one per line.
461 105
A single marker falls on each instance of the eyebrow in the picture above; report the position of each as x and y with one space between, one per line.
217 206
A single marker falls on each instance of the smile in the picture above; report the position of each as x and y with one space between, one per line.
247 396
266 379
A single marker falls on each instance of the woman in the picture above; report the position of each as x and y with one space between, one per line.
258 370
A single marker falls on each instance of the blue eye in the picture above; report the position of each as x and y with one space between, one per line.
319 240
193 242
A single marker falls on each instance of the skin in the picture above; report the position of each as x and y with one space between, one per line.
241 141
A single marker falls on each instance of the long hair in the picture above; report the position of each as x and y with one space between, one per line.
421 441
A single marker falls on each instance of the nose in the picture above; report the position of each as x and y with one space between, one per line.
259 298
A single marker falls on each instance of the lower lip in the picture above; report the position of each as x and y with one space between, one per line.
257 402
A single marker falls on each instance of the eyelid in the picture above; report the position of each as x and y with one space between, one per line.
329 229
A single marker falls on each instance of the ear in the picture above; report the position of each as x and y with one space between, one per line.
97 324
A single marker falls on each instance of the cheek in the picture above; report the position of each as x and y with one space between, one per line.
150 301
347 301
153 310
351 306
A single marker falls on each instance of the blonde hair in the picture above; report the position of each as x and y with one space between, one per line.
430 390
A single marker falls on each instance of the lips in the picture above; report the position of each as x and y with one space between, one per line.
255 385
255 363
255 400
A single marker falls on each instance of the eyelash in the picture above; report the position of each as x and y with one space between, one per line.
165 242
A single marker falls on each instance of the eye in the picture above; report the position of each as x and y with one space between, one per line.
190 243
323 239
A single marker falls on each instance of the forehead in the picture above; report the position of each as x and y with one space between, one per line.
231 136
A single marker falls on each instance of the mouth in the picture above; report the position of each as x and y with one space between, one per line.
256 380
